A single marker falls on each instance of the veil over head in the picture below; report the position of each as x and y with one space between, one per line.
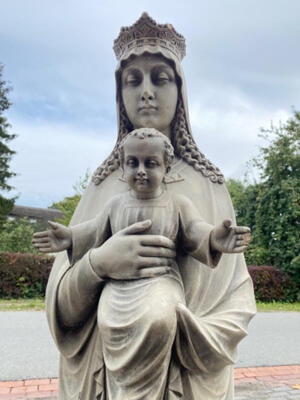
148 37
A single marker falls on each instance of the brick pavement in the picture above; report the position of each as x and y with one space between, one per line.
268 383
259 383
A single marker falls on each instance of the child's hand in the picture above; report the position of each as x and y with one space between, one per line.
57 239
230 239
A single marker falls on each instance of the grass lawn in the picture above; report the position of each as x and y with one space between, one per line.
278 306
38 304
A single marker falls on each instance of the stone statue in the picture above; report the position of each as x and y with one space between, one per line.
133 318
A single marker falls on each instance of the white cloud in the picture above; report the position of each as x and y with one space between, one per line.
228 135
51 157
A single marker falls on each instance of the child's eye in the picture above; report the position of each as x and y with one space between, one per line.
131 162
152 164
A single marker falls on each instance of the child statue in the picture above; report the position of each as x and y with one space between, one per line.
125 315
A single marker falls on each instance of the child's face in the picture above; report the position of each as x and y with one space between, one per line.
144 166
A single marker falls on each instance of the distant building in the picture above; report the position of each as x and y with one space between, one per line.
36 214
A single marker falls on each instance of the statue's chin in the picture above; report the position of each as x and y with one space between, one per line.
153 123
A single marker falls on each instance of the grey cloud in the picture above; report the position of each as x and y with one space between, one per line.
242 69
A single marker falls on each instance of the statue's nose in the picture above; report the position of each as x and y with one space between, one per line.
147 92
146 96
141 171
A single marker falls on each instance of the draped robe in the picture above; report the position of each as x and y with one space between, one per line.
219 305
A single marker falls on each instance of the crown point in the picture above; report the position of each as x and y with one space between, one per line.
147 32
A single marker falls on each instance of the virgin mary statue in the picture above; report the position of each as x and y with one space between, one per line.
169 346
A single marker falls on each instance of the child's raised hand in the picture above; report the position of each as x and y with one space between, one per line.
230 239
56 239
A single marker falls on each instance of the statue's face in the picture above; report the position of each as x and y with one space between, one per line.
144 166
150 92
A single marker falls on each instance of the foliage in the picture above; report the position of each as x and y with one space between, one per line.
244 197
68 204
24 275
271 208
17 235
271 284
6 153
278 210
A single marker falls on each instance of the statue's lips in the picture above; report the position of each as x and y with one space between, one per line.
147 109
141 181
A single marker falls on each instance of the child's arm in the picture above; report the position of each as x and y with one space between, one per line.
58 238
230 239
207 242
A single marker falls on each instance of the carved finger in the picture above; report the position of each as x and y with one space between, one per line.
41 240
157 240
146 262
242 229
45 250
53 225
43 245
136 228
246 238
239 249
147 251
227 223
40 234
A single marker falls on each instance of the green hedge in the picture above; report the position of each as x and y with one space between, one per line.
24 275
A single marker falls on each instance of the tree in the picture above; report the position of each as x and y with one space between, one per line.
277 220
271 208
17 236
5 152
68 204
244 198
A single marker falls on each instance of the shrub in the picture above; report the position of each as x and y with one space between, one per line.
271 284
17 236
24 275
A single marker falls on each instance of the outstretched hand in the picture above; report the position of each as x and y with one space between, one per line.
56 239
230 239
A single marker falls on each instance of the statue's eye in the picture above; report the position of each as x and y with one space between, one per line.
163 77
133 79
152 163
131 162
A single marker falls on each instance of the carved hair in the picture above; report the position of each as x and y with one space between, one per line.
184 147
144 134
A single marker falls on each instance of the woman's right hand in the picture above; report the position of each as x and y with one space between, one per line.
128 254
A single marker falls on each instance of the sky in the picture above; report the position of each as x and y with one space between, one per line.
242 70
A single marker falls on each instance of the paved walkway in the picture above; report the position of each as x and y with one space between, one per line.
27 350
261 383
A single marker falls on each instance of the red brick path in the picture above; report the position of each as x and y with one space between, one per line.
33 388
273 376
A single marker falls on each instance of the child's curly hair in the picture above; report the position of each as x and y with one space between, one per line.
145 133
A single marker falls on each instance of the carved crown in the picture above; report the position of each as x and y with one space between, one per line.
145 31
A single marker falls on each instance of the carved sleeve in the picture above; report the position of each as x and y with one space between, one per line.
80 287
195 234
